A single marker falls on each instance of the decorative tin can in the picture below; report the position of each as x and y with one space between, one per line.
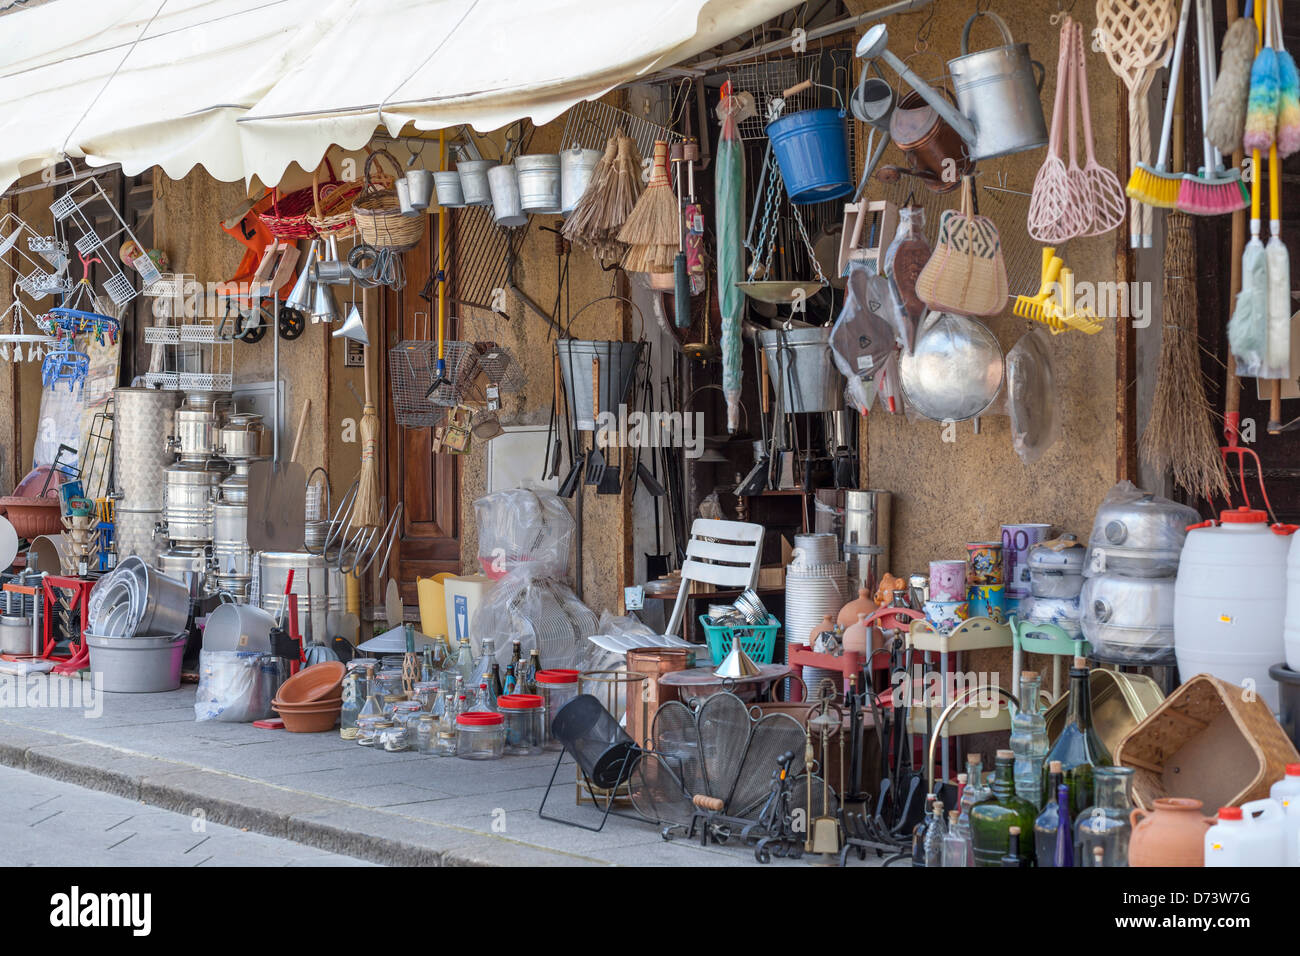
984 563
987 600
944 616
1017 539
947 580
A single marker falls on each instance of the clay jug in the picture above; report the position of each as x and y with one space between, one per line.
856 637
850 612
827 624
1173 834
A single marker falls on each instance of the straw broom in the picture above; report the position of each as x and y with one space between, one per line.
581 226
651 231
366 508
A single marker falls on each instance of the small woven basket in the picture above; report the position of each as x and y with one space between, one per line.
332 205
289 214
378 214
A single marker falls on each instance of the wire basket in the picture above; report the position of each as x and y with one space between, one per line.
412 368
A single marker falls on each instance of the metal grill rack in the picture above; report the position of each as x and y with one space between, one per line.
591 123
38 278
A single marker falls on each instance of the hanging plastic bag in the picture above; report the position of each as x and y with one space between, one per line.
523 527
1031 397
904 259
863 335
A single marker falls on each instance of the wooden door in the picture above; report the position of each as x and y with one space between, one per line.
428 484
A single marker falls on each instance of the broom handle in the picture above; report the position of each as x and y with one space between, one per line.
365 358
1175 71
1232 398
302 427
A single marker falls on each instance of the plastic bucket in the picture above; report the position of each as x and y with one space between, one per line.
137 665
503 181
433 603
811 148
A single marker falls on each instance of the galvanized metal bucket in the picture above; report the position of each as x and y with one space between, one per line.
507 208
539 182
616 362
803 376
576 168
419 187
447 184
403 189
474 181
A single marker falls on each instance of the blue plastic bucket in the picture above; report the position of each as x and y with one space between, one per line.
811 147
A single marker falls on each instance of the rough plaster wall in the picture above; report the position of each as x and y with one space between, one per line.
948 493
606 536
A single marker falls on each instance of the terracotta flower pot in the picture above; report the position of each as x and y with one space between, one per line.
1173 834
862 605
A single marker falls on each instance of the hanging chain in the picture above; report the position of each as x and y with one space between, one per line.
803 234
766 245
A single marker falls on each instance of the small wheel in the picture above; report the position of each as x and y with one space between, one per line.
292 323
252 329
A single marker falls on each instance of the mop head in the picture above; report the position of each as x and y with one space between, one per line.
1261 108
1212 193
1227 120
1154 187
1288 107
1248 327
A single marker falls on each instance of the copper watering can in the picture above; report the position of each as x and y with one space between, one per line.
998 109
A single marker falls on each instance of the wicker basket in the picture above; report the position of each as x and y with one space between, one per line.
289 215
1207 741
332 205
378 214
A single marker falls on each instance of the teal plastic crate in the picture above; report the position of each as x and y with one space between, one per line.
758 640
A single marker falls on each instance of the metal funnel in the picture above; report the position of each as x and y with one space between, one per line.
737 663
301 296
324 308
353 327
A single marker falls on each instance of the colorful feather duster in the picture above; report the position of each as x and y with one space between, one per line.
1288 107
1261 107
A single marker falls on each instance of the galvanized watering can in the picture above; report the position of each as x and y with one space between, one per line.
998 106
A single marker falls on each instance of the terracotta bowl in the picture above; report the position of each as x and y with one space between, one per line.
314 683
315 719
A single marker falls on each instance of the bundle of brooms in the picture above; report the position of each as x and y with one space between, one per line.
608 200
1179 435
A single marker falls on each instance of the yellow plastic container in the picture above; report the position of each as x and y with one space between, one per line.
433 603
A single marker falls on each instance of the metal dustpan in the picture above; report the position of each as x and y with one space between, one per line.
277 504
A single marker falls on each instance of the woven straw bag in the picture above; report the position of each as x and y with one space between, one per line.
378 214
966 274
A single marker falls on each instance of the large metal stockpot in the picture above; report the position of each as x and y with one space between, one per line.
196 433
866 536
310 572
143 420
187 509
241 436
1138 534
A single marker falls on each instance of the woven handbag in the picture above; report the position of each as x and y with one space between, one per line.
965 274
378 213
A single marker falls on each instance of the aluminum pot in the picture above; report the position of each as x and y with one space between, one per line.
165 601
1056 568
241 436
1063 612
137 665
1140 535
576 168
803 375
507 207
474 181
539 182
235 487
15 634
419 185
143 421
954 371
136 533
1128 618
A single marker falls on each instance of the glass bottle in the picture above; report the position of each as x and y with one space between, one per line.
516 656
354 698
972 793
919 831
993 817
956 844
487 657
1105 825
1045 825
1029 741
1013 857
509 686
1063 854
534 668
465 659
934 837
498 688
484 701
1078 748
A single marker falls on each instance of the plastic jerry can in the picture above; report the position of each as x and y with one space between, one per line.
1287 792
1248 835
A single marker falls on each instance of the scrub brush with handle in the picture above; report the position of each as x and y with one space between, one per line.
1211 191
1156 185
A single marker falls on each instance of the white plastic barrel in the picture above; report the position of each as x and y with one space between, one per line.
1249 835
1230 601
1291 630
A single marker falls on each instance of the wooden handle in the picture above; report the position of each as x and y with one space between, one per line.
1275 407
595 388
302 426
797 88
708 803
764 401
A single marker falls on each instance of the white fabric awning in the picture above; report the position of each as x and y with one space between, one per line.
247 87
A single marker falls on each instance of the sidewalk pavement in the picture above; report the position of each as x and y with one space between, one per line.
329 793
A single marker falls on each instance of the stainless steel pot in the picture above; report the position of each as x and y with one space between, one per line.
1056 568
954 371
15 634
159 604
137 665
143 420
866 536
803 375
196 433
187 510
1139 534
311 572
136 533
241 436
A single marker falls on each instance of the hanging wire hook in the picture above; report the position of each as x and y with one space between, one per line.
926 28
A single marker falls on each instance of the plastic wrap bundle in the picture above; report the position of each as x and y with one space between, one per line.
538 611
1128 618
237 687
1063 612
1137 533
523 527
